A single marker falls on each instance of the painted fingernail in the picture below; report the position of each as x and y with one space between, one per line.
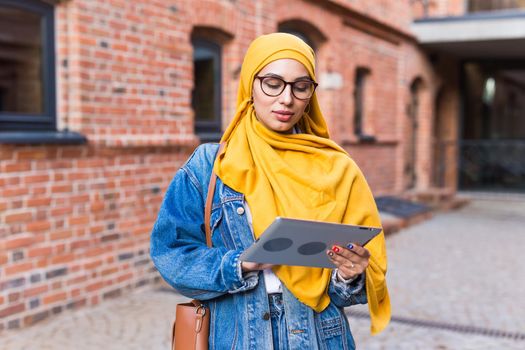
330 253
349 245
335 249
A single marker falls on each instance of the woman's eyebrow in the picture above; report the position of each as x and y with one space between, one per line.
304 77
273 75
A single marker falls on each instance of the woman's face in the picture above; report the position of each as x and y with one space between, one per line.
282 112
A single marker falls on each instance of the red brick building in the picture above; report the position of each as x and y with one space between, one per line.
102 101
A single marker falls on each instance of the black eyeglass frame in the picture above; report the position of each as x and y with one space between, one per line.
286 83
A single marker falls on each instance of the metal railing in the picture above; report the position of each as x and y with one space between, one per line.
492 164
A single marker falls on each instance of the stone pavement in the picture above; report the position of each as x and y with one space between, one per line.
462 268
456 282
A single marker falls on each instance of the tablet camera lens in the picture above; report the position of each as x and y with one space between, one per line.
311 248
277 244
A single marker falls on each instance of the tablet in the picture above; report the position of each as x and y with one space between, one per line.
304 243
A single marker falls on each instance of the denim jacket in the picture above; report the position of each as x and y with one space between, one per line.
238 303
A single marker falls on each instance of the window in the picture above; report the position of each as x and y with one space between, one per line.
494 5
305 31
27 75
27 66
301 36
361 75
206 94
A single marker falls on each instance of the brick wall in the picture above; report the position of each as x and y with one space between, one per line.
75 225
438 8
395 13
75 220
377 161
125 71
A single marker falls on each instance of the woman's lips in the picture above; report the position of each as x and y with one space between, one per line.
283 116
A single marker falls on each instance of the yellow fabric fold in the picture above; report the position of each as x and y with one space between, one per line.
302 176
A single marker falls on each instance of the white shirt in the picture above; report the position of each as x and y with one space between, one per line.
272 283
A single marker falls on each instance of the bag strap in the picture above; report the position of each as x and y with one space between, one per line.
209 199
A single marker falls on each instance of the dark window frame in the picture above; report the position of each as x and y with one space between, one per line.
305 30
46 121
39 129
476 6
360 81
211 130
301 35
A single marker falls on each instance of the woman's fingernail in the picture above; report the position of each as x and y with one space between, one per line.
350 245
335 249
330 253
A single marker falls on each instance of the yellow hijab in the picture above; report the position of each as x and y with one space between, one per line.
302 176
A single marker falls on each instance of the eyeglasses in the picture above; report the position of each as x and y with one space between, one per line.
301 89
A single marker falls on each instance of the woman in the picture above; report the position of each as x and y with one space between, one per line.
278 161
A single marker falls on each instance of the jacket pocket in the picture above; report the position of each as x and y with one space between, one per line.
220 237
215 221
333 333
332 327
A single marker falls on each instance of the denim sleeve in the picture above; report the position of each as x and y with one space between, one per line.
178 247
346 294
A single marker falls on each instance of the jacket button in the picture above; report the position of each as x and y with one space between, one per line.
266 316
240 210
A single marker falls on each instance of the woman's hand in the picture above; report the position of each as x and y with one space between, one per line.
251 266
350 261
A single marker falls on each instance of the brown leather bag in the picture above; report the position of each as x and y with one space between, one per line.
191 327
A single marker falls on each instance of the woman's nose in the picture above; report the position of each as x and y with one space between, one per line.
286 96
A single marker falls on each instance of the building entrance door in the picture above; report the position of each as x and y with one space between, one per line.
492 149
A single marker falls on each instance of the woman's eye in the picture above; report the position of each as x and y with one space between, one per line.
273 86
273 83
302 86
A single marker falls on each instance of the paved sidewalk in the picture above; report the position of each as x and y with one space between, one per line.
458 269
